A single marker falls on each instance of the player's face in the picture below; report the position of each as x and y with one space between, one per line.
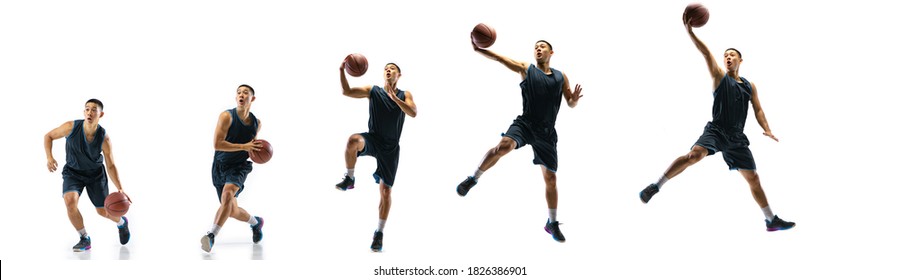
542 52
92 113
391 73
732 60
244 97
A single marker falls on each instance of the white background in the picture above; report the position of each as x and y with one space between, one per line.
165 70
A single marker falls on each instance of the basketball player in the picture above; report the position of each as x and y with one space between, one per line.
85 140
388 107
543 89
725 133
234 138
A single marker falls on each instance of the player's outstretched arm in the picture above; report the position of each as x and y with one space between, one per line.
714 70
515 66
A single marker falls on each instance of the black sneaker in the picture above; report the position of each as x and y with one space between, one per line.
84 244
376 241
207 241
257 229
778 224
346 184
463 188
648 192
553 230
124 233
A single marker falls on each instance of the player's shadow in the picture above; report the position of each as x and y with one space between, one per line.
257 252
84 256
124 253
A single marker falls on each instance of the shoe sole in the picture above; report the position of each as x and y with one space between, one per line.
81 250
340 189
777 229
204 244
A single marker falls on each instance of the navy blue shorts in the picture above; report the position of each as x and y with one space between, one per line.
734 145
230 174
541 138
95 181
387 157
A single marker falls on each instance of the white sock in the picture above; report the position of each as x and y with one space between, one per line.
478 173
381 225
662 180
350 172
552 215
215 229
121 221
82 232
253 221
768 212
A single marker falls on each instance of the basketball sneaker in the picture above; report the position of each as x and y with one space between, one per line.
778 224
463 188
124 233
257 229
648 192
553 230
207 241
376 241
346 184
84 244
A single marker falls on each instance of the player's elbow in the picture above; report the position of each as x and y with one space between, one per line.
412 113
219 145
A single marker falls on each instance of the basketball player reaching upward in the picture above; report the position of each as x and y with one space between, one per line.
388 107
85 140
543 89
234 138
725 133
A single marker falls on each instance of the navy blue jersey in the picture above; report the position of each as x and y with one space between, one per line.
82 154
730 103
238 133
385 117
541 95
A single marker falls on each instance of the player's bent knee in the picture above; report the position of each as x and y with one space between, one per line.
506 145
355 142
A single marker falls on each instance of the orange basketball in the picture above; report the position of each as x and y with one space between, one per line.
117 204
264 154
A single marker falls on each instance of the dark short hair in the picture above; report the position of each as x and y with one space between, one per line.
395 65
545 41
249 87
95 101
735 50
